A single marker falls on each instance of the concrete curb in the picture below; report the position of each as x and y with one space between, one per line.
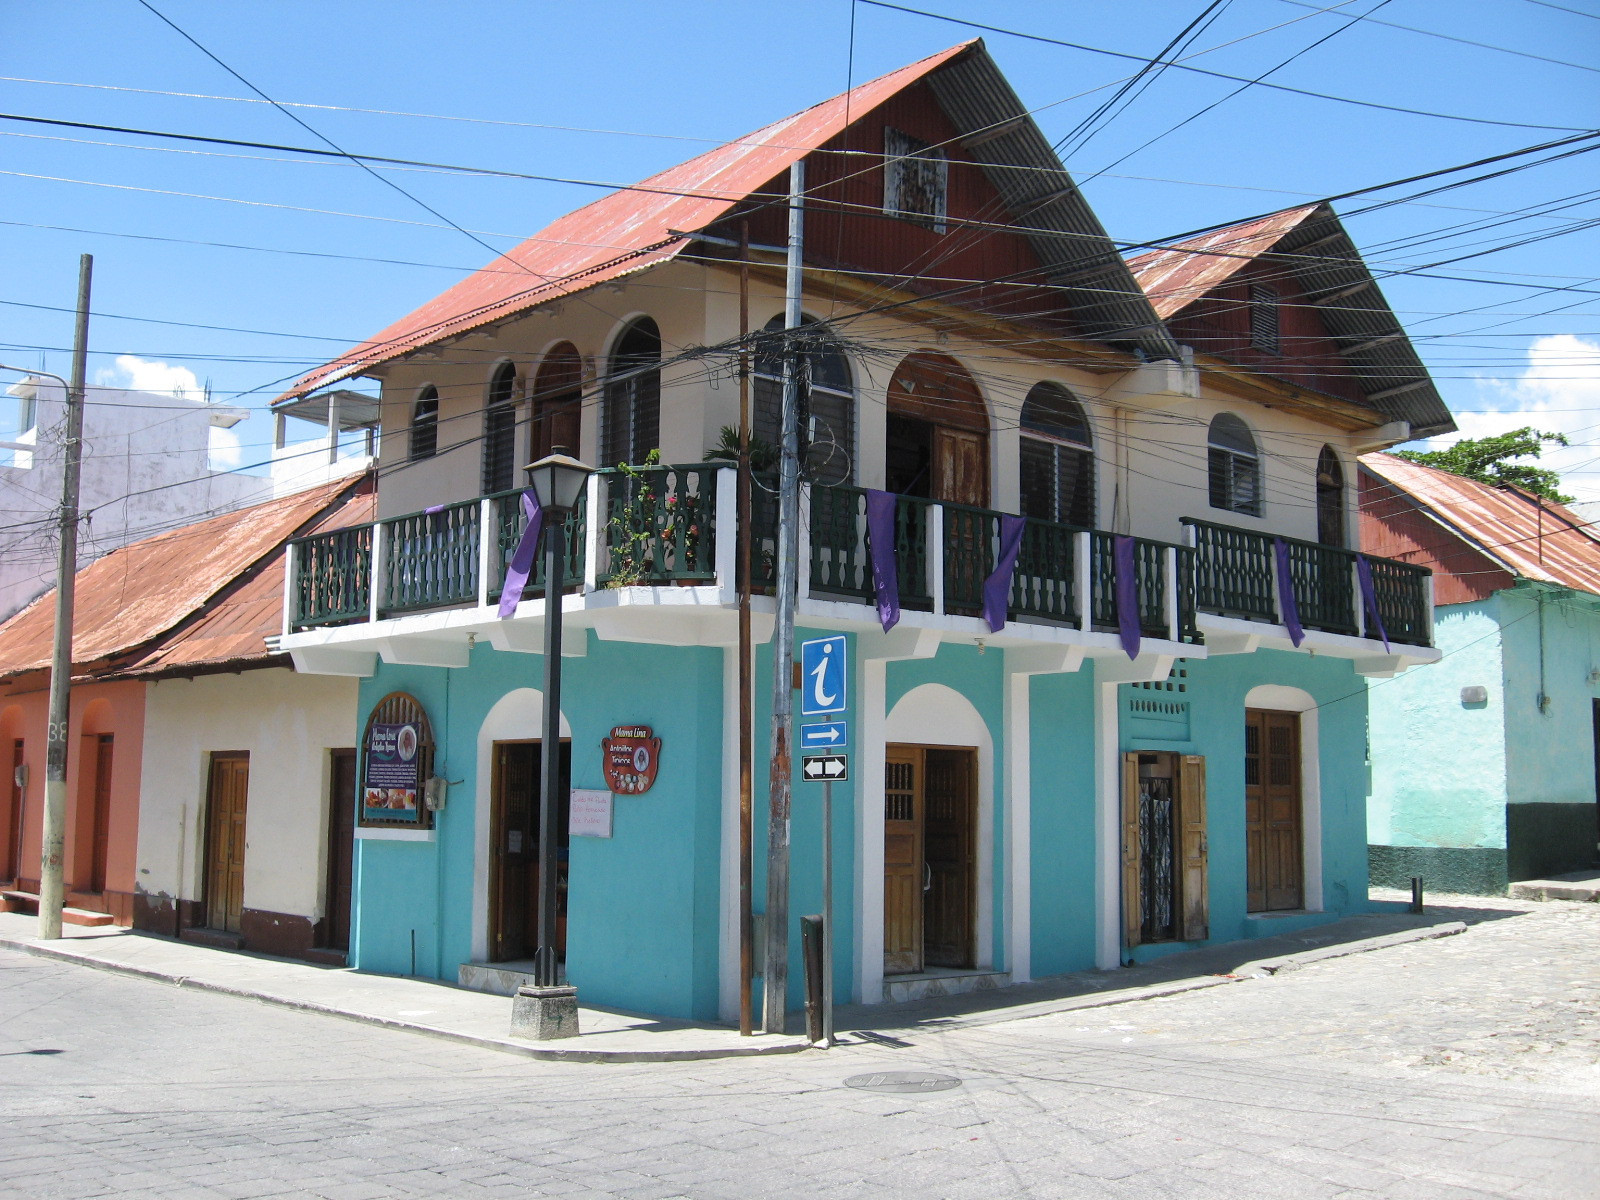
505 1046
1263 967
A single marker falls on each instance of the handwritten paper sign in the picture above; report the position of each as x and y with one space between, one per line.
591 813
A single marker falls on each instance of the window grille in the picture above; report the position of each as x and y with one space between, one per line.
425 425
1234 466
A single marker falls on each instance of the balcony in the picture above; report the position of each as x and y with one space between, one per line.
661 566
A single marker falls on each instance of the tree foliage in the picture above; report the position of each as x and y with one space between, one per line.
1487 459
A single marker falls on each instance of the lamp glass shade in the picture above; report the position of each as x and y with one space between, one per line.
557 480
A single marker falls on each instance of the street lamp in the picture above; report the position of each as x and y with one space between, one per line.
547 1009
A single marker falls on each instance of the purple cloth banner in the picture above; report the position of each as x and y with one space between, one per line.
522 558
1369 597
1127 592
433 510
997 588
1286 601
880 545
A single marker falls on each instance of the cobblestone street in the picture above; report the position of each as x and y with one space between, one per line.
1463 1066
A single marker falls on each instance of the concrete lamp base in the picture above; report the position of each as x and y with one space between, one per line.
543 1014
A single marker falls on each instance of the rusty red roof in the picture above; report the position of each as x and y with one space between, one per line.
1175 276
625 231
128 600
1531 537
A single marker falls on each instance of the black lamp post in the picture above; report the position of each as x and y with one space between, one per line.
557 481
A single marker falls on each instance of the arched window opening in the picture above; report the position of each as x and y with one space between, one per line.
1330 498
631 424
1057 460
500 431
1235 466
937 432
425 425
557 401
827 401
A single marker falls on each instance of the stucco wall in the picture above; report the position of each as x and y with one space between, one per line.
287 723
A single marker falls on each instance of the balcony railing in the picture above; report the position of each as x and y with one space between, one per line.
667 525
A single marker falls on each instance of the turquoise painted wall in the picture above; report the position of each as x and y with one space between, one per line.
1216 692
1438 765
1549 751
642 905
1061 764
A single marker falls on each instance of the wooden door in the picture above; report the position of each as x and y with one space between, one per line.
341 847
949 806
514 852
961 466
1274 878
225 847
99 746
12 864
902 860
1165 889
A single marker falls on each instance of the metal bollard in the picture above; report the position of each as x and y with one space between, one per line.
811 960
1416 893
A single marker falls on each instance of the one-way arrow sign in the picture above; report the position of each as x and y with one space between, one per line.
825 768
823 735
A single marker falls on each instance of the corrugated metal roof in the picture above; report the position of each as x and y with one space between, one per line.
629 229
126 599
1533 538
1313 244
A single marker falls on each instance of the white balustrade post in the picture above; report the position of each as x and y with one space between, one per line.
1427 606
936 556
375 570
1358 600
726 552
1171 590
593 530
1083 588
803 547
291 559
487 539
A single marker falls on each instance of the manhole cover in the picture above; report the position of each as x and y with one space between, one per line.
902 1081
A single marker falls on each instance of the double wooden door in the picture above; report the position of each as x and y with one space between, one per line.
1274 870
514 851
1165 848
929 857
937 462
225 847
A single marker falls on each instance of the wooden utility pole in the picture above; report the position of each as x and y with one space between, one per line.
52 867
775 975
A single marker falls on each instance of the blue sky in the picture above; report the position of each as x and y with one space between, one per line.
299 259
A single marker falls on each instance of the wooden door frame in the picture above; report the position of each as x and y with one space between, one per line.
1301 818
493 875
974 839
1191 850
206 842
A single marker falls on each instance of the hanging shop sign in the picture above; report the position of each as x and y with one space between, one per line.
397 756
631 756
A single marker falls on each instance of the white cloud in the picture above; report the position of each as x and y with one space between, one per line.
226 452
1558 392
143 375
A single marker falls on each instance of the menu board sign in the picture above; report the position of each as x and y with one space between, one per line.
389 784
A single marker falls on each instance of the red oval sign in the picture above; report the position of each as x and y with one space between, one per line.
631 758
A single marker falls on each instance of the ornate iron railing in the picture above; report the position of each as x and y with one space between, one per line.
509 521
1232 572
1044 584
430 559
661 525
332 576
1401 592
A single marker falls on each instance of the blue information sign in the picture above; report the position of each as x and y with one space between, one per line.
823 735
822 676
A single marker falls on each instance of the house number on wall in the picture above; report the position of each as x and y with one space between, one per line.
631 757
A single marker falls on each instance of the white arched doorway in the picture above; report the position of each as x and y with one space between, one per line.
933 835
517 717
1275 699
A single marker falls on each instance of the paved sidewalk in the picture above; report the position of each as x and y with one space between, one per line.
477 1018
1578 885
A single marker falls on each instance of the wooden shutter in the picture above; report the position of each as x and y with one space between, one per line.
1193 889
1132 916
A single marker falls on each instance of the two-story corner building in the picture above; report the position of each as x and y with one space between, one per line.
1484 769
1149 752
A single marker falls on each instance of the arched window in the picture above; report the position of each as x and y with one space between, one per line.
1330 498
937 432
827 401
1235 466
425 425
500 431
557 401
631 422
1057 461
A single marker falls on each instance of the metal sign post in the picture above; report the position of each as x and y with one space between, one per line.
827 915
823 689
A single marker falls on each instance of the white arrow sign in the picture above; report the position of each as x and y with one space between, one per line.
825 767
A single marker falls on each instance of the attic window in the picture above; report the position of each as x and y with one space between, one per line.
1264 319
916 176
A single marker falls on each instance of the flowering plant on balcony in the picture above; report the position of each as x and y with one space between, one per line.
635 507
